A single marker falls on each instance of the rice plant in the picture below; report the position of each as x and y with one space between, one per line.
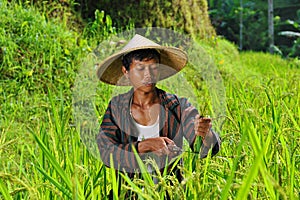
43 156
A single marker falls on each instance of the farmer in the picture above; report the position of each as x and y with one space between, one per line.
146 119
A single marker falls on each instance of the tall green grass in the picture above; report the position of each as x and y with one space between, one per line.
42 154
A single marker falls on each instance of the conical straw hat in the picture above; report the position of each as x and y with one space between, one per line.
172 60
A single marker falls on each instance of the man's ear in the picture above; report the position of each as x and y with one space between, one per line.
125 72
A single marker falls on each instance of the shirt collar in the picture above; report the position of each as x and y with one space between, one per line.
167 100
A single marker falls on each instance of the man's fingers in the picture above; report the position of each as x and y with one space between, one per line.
157 145
168 140
164 150
204 120
202 125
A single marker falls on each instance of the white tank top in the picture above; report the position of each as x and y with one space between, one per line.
145 132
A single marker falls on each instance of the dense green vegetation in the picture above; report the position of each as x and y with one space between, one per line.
190 16
246 24
43 157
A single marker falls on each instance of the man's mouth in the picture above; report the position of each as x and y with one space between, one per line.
148 83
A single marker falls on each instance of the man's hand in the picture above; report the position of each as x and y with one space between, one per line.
202 126
157 145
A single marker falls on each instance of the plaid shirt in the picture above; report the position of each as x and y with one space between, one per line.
118 135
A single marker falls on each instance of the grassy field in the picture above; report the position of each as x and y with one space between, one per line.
41 151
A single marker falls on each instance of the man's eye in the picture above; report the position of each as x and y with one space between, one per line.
154 67
140 68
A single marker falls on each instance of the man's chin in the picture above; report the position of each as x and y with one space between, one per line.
147 87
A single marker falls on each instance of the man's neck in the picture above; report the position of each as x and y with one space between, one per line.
145 99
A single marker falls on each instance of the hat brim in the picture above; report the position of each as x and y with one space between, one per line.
110 70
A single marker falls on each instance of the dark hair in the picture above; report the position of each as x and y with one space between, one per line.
140 55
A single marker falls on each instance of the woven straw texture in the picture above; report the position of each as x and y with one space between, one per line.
172 61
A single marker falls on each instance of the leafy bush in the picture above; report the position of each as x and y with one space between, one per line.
181 15
37 53
226 18
230 17
293 51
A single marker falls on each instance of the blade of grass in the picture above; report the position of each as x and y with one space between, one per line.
259 151
246 183
230 179
53 162
115 181
135 188
295 123
289 165
146 176
59 186
4 191
206 167
263 170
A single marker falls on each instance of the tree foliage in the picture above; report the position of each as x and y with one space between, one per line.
189 16
231 17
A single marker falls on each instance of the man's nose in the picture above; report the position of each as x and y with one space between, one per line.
147 72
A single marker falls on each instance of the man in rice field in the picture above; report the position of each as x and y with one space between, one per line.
146 119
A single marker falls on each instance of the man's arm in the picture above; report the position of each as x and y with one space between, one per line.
196 126
210 141
112 142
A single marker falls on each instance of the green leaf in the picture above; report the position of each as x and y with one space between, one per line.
53 162
4 191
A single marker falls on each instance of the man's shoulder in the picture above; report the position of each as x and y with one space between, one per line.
171 100
170 96
166 94
121 99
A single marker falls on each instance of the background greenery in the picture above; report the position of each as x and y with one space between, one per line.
42 46
243 22
229 15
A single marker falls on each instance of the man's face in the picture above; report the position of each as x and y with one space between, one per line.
143 74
